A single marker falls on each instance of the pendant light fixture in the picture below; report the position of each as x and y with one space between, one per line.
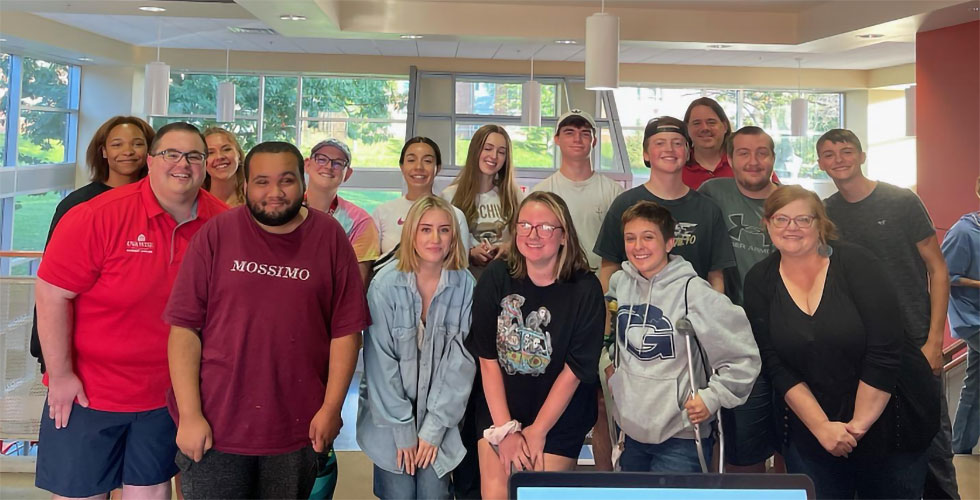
226 95
798 107
602 50
157 84
531 101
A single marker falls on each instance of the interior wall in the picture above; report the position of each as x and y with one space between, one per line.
948 120
105 91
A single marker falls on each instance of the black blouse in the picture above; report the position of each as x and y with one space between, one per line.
855 335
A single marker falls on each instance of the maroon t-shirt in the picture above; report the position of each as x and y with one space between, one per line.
267 306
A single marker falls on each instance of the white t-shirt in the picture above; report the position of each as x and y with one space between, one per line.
587 202
490 223
390 216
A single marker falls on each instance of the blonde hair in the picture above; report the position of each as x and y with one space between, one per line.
408 259
784 195
571 257
467 185
239 173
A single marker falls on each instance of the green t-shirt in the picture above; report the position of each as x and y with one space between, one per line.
743 218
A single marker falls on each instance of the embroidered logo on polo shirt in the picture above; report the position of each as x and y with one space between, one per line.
140 245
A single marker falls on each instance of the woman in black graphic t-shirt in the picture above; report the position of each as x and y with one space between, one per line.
537 329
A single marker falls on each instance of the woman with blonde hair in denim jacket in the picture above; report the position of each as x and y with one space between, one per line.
417 374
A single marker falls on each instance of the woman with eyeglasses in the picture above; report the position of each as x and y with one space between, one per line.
116 156
420 162
225 177
859 416
538 319
487 194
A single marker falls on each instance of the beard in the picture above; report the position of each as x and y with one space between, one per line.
755 186
274 219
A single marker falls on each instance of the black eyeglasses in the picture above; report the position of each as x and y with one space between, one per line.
545 231
173 157
324 160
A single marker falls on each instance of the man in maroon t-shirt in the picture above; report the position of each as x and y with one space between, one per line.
266 315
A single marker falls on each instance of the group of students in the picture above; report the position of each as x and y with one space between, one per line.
498 328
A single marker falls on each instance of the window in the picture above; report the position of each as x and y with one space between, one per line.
796 159
38 127
193 99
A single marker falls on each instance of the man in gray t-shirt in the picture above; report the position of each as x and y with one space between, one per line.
748 428
750 151
893 224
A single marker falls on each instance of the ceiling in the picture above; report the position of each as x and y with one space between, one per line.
751 33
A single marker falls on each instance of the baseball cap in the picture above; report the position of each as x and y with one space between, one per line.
573 114
663 124
337 143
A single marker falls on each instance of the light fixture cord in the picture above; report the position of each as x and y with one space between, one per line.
227 61
158 39
799 77
602 7
532 68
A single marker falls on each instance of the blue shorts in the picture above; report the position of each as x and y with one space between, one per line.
749 436
100 451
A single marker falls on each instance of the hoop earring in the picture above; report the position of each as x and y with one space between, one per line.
824 250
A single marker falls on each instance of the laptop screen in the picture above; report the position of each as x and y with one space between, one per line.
632 486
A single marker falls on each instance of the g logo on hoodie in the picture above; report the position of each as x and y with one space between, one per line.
657 332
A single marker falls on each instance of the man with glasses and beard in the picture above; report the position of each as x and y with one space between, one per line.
101 289
266 317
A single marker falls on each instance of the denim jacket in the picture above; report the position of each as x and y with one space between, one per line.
411 391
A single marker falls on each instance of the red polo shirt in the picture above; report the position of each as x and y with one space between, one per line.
694 174
120 253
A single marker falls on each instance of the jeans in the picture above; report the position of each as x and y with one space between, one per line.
673 455
898 475
940 481
966 425
423 485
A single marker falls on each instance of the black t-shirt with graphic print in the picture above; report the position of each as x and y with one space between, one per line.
700 236
533 335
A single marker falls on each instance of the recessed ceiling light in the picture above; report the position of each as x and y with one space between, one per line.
566 42
292 17
3 39
869 36
150 8
411 37
719 46
85 59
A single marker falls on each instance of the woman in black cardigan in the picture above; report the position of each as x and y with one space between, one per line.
831 339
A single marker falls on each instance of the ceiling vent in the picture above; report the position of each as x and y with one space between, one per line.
252 31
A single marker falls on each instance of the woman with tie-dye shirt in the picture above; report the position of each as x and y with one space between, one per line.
328 167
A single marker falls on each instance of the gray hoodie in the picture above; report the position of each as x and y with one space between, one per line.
651 382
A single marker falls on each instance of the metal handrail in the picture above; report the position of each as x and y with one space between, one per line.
950 355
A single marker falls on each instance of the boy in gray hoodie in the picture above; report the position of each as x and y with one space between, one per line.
649 378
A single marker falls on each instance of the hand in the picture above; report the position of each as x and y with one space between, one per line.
405 460
62 392
513 452
426 454
194 436
480 254
856 429
697 412
324 428
609 372
534 436
834 438
934 355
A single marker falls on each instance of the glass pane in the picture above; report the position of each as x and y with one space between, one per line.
533 147
4 97
279 120
246 131
32 219
549 100
487 98
197 94
607 153
638 105
355 98
44 84
374 145
42 137
634 148
368 199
